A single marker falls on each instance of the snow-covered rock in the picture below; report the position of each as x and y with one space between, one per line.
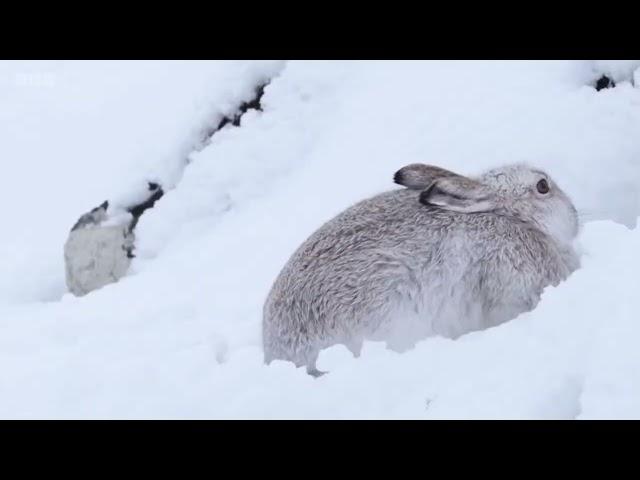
97 254
102 242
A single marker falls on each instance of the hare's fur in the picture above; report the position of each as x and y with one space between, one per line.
446 256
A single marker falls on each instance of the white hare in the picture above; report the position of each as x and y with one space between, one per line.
448 255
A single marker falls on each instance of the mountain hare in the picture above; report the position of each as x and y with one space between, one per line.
447 255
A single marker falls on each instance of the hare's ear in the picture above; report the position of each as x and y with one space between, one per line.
418 176
459 194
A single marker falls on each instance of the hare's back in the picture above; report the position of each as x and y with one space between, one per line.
375 223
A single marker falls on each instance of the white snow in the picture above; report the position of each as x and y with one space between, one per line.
179 337
618 70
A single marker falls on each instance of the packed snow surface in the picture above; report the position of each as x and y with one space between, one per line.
179 336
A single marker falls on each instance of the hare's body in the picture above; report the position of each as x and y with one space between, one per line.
392 268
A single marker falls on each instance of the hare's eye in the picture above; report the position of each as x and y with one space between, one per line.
543 186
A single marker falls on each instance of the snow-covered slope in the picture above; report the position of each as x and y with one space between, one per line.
179 337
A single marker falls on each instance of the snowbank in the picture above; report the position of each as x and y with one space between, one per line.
180 336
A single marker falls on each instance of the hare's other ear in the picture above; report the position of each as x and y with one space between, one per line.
418 176
459 194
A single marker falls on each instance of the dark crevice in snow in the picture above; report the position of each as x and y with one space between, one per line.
234 119
254 103
604 82
138 210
